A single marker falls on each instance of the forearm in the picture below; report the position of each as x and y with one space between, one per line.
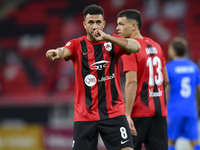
130 45
166 78
63 52
130 93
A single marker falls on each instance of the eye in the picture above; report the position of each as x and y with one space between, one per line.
90 22
99 22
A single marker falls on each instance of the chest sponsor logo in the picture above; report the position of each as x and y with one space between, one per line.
90 80
151 50
106 78
108 46
100 65
155 94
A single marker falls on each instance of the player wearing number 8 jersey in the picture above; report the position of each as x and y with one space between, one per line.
146 78
182 108
99 106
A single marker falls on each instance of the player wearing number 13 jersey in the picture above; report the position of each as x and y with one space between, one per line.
182 108
146 77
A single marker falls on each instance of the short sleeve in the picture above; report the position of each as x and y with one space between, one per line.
162 57
71 45
129 62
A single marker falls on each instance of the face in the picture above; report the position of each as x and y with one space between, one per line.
124 27
93 22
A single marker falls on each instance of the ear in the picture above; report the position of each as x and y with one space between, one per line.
104 23
134 26
84 24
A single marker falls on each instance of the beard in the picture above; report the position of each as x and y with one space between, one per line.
90 34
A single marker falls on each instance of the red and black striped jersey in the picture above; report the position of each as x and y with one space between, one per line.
148 63
97 82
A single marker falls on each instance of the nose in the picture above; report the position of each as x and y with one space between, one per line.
95 26
117 28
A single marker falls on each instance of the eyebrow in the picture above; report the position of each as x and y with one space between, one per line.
94 20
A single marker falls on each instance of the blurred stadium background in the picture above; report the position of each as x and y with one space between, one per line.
36 95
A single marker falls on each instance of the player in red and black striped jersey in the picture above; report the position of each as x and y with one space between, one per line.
146 78
99 105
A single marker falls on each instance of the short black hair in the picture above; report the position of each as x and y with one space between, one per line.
179 45
132 14
93 10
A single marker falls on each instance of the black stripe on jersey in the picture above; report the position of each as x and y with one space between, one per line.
144 94
151 51
102 105
85 72
113 87
157 103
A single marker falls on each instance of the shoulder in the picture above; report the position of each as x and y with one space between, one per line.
194 64
79 39
170 65
155 43
116 35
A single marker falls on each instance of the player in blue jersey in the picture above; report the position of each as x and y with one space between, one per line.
184 80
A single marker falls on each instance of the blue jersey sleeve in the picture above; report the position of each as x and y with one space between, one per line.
198 76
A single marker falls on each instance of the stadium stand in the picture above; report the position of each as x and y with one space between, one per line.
32 27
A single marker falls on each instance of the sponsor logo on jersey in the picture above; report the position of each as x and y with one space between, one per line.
108 46
155 94
106 78
151 50
90 80
100 65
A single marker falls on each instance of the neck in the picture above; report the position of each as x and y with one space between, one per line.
178 57
91 39
136 34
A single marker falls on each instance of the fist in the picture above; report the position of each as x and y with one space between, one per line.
52 54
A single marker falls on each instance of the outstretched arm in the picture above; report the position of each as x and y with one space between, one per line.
129 44
59 53
130 93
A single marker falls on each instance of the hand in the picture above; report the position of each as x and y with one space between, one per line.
99 35
132 127
52 54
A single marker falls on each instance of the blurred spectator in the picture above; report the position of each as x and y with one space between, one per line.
174 9
151 9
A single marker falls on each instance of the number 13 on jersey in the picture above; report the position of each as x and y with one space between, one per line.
155 62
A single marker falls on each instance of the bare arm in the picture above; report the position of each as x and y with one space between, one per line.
166 79
130 93
59 53
166 82
130 45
